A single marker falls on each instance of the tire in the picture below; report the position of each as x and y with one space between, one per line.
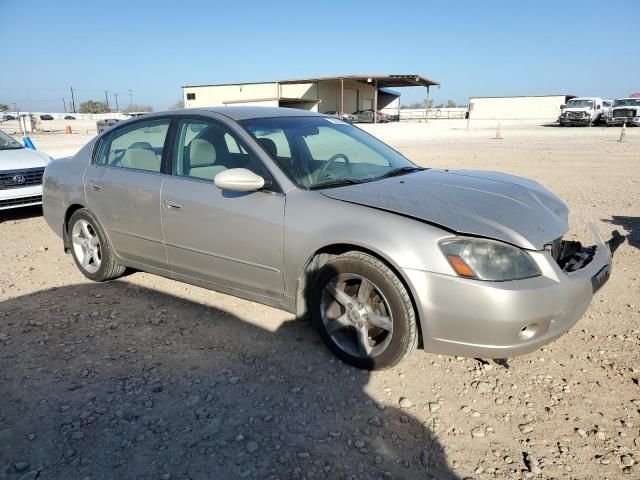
102 264
347 325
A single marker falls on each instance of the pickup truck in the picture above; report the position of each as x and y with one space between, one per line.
625 110
584 111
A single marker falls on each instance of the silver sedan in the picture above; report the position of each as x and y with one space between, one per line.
306 213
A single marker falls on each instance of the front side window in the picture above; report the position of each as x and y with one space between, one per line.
318 152
138 146
205 148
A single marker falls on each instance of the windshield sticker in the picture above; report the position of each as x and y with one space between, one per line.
335 120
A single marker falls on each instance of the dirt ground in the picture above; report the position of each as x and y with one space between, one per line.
147 378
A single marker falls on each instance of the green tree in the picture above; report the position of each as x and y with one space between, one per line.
91 106
177 106
3 107
451 104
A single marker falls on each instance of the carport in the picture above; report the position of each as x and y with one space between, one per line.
349 90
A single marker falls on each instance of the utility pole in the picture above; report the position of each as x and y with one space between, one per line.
64 104
116 97
106 99
73 100
130 98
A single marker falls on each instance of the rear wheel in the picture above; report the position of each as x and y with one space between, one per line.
90 248
363 312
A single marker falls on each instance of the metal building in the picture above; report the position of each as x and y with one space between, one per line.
344 94
535 107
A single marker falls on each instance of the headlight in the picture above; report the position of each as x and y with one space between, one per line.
488 260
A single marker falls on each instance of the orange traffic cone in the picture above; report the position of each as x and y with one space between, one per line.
623 132
498 134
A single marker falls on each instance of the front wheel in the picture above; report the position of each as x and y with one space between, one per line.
90 248
363 312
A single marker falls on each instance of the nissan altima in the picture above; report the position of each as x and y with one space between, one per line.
306 213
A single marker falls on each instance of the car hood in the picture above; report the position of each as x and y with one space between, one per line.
485 204
22 158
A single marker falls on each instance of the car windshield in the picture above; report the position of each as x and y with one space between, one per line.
323 152
580 104
8 143
627 102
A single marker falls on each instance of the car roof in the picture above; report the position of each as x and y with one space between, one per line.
249 112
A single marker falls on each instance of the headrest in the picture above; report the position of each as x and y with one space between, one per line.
201 153
269 145
145 145
141 158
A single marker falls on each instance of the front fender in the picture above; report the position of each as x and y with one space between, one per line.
314 222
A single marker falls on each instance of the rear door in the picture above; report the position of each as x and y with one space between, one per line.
224 238
123 186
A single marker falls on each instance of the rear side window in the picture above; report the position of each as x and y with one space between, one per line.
138 147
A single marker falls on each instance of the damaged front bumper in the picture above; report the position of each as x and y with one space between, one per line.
472 318
580 121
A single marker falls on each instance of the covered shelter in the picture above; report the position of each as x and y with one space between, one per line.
343 93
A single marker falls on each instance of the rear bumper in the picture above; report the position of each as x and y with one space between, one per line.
20 197
505 319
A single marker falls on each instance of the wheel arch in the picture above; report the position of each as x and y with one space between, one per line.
73 208
323 254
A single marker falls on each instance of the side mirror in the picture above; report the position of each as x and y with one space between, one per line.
562 107
238 180
598 107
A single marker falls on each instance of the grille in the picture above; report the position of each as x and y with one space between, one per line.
11 202
31 176
624 112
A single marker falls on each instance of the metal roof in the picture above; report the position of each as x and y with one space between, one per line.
382 81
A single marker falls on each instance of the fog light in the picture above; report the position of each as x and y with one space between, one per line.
529 331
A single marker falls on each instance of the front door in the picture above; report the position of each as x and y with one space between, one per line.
123 188
228 239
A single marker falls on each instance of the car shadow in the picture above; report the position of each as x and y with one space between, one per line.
630 224
115 380
20 213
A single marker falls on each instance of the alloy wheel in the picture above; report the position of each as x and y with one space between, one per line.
356 315
86 246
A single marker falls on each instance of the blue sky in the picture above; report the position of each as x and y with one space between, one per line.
472 47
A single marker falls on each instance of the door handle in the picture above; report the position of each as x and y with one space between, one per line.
172 205
94 186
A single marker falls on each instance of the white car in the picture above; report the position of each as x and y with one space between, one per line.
581 111
625 110
21 172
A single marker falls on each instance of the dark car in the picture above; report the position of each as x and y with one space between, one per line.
366 116
6 118
46 117
69 117
102 125
347 117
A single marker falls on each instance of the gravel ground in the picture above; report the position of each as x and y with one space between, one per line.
147 378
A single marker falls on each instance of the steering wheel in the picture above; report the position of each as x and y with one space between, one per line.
330 162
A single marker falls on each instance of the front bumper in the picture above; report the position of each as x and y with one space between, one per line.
575 120
473 318
622 120
20 197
